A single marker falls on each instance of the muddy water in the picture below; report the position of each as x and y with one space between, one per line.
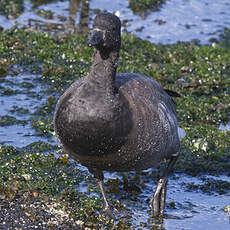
180 20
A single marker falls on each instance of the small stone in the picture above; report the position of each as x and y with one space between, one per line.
27 176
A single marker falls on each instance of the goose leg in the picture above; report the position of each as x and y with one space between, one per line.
99 177
158 199
101 187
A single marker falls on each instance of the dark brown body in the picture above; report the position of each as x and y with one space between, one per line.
133 130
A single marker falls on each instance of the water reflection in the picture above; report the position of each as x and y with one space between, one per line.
48 16
74 7
81 7
76 19
143 8
168 22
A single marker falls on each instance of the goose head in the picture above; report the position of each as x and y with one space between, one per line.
106 33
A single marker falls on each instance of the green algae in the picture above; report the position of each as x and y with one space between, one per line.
9 91
6 152
33 173
3 72
46 172
200 74
224 38
11 8
41 146
43 126
205 149
211 186
227 210
48 14
19 110
40 2
29 176
7 120
145 6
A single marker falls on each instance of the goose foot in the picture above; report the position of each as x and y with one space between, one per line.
99 177
158 199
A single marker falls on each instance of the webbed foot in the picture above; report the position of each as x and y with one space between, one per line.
158 199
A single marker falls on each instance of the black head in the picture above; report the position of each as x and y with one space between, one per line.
106 32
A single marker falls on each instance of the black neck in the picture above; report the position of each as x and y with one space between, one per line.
103 70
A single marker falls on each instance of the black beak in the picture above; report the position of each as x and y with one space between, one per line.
95 38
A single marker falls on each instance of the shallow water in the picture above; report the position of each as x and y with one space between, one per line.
225 127
198 210
175 20
184 21
21 104
193 209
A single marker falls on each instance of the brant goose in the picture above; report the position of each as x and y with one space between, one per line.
117 121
